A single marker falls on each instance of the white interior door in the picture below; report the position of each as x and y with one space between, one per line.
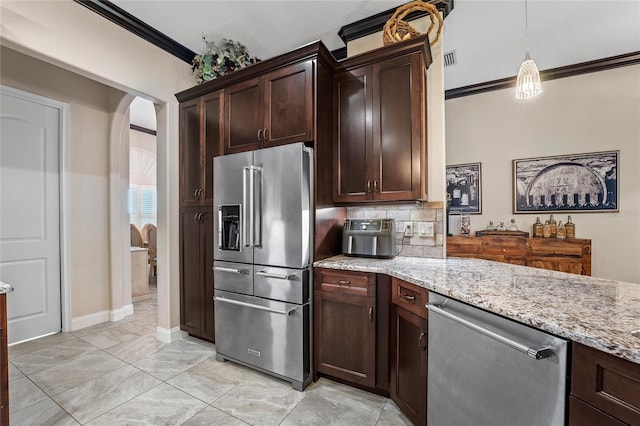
30 215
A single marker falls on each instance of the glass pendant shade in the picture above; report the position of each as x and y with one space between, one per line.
528 84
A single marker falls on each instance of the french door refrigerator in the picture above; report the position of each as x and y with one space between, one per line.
262 260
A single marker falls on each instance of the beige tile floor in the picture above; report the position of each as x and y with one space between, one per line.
119 374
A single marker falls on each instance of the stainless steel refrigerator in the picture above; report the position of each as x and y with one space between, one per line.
263 254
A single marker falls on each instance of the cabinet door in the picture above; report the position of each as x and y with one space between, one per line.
353 153
191 266
206 235
409 364
345 336
213 111
398 129
191 190
288 105
244 116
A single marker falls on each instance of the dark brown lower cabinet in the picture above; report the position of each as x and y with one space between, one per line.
408 358
344 326
604 385
196 274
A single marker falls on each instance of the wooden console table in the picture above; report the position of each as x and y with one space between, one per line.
569 255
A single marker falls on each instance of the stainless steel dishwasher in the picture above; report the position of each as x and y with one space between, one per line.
484 369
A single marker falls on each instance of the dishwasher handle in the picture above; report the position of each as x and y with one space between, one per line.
527 350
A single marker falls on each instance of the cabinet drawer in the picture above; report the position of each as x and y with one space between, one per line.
555 248
581 414
410 297
348 282
607 382
511 246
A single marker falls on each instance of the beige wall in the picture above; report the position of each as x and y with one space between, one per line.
591 112
430 247
71 36
88 181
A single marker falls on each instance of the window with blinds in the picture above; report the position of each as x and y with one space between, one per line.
142 205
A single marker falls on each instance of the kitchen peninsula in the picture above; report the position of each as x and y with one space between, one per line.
597 315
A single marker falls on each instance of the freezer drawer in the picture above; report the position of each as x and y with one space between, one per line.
287 285
272 336
484 369
231 276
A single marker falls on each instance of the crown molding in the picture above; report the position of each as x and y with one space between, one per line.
626 59
129 22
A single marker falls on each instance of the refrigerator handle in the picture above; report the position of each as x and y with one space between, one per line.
246 217
256 235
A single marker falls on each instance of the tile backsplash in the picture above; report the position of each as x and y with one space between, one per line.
416 213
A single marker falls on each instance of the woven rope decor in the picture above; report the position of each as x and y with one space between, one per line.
396 29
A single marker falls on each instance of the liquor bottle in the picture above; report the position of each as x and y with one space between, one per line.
538 228
546 229
570 228
554 227
561 231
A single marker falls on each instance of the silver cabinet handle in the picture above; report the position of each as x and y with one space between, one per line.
527 350
408 296
368 186
231 270
375 185
277 276
345 283
259 135
370 314
258 307
421 344
265 134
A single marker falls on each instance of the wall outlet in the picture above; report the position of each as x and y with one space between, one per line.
425 229
408 229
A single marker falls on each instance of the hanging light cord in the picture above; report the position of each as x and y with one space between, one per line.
526 26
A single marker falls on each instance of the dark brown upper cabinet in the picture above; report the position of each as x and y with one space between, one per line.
274 109
201 132
381 132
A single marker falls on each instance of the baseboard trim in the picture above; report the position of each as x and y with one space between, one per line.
170 335
96 318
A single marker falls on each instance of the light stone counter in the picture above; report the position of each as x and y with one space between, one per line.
595 312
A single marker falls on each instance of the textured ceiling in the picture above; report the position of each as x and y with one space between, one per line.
488 36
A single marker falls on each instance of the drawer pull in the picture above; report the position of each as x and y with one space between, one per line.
370 314
345 283
422 345
408 296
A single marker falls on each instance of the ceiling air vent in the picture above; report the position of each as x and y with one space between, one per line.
450 58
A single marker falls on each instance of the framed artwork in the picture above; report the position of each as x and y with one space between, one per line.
575 183
464 188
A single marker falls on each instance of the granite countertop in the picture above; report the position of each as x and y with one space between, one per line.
5 288
596 312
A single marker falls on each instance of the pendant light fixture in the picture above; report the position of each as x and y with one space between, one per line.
528 83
